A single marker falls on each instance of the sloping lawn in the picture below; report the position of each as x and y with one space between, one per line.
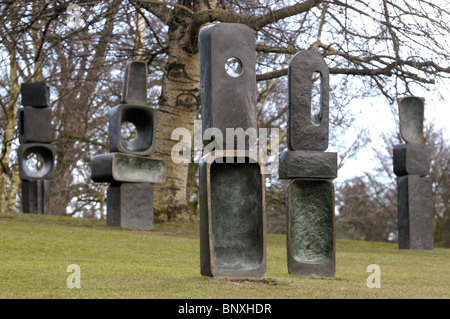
35 252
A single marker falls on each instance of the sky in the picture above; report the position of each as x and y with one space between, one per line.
379 119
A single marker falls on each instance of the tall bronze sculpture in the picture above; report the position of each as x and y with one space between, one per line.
232 204
127 167
310 193
412 165
36 154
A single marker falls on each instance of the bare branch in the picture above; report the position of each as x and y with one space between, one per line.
160 9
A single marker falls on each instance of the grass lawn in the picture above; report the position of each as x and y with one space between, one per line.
35 252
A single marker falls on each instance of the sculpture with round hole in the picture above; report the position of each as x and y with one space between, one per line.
228 78
36 154
232 212
132 132
43 169
144 120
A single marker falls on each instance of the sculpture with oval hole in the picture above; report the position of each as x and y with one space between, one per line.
309 169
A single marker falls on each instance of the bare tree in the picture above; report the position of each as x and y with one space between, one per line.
372 48
440 176
367 210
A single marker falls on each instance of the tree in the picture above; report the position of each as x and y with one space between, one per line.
44 48
367 210
7 120
440 177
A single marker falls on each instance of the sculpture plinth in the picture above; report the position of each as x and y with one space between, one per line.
232 216
310 227
130 205
36 196
415 212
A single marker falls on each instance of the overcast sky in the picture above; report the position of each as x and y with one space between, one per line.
379 119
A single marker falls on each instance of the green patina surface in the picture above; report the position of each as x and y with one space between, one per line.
237 220
311 221
131 168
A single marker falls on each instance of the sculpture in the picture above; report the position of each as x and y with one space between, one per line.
310 192
35 137
127 167
412 165
232 204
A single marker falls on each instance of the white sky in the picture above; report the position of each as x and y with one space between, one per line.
380 119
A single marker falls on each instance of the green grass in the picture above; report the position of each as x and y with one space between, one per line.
165 263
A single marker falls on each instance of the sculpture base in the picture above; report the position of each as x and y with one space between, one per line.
130 205
310 228
415 213
232 217
35 196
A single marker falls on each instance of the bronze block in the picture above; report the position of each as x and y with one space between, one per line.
411 114
119 167
310 228
307 131
232 216
47 153
134 88
228 81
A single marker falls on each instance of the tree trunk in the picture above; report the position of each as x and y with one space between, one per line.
178 107
9 184
139 46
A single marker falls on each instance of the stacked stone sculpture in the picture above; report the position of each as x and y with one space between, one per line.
232 204
412 165
310 192
127 167
35 137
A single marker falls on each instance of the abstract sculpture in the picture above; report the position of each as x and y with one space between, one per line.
232 204
127 168
36 154
412 165
310 193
